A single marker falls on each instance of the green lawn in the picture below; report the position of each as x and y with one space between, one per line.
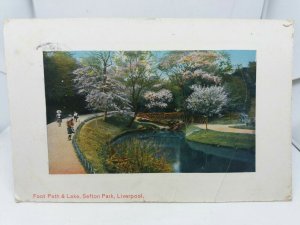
97 132
230 118
233 140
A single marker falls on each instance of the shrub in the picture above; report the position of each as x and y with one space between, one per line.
118 120
134 156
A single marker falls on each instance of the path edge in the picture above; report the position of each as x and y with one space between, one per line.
84 162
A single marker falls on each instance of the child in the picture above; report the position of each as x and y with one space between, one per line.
70 128
76 116
58 117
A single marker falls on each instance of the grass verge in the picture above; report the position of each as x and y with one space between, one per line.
225 139
97 133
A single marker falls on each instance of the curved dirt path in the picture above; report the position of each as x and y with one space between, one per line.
62 156
226 128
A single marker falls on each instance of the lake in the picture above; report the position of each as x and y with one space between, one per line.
192 157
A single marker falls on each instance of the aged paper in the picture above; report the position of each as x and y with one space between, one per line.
150 110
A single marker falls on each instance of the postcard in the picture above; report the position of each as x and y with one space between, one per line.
150 110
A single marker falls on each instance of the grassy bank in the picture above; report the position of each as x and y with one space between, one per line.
92 136
225 139
97 133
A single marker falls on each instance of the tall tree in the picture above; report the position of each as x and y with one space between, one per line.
136 69
97 80
241 86
207 101
58 82
185 68
59 90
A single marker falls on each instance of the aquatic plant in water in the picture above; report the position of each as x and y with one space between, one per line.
134 156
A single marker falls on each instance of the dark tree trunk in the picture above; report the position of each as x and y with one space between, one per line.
104 68
132 119
105 114
206 122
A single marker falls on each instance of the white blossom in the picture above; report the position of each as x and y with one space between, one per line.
158 99
207 101
194 64
103 91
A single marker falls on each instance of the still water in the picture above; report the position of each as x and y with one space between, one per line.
193 157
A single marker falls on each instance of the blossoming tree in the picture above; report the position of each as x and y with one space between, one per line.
100 84
185 68
207 101
207 66
158 99
138 75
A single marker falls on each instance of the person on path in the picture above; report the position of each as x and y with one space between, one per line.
76 116
70 128
58 117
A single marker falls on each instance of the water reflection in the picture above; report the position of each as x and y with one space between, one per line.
192 157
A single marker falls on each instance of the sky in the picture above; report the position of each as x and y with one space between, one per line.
242 57
237 57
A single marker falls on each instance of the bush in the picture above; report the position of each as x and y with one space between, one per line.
134 156
118 120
